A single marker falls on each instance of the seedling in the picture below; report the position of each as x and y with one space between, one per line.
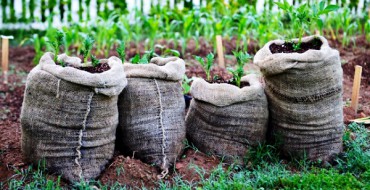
207 65
238 73
305 15
94 61
121 51
56 43
145 59
165 51
186 84
135 59
86 48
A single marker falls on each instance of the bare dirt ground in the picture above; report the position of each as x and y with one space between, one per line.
125 169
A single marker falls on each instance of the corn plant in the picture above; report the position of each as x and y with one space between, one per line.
56 43
12 11
165 51
153 26
32 9
94 61
207 65
238 73
145 58
4 4
186 84
38 45
121 51
367 30
305 15
86 47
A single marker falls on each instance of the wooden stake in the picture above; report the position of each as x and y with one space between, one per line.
5 56
220 52
356 88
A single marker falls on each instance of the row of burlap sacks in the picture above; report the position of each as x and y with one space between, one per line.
302 115
69 117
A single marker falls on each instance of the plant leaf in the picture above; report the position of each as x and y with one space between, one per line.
135 59
329 8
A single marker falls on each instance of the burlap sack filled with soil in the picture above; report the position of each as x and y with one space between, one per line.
69 117
304 91
151 110
226 120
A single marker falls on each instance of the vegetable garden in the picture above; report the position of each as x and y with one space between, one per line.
187 94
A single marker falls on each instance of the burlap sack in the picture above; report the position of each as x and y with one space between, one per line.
69 117
151 110
226 120
304 91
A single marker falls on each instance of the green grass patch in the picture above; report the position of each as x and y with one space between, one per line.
264 170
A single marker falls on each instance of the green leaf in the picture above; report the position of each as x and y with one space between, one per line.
321 5
121 51
173 52
135 59
144 60
200 60
281 6
320 23
94 61
329 8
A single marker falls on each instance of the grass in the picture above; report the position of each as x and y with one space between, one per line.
264 170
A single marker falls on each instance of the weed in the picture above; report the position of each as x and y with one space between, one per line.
120 170
321 179
356 158
29 178
190 145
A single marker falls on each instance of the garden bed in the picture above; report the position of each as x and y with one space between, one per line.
126 169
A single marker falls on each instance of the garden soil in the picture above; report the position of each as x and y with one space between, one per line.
11 97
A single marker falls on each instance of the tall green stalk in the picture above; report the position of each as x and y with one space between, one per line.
12 12
32 10
52 4
43 9
4 4
142 6
80 10
69 5
88 2
24 11
61 9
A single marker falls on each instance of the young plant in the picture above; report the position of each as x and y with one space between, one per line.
238 73
86 47
186 84
165 51
56 43
207 65
305 15
121 51
145 58
94 61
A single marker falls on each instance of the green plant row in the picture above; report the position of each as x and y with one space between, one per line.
240 22
63 8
